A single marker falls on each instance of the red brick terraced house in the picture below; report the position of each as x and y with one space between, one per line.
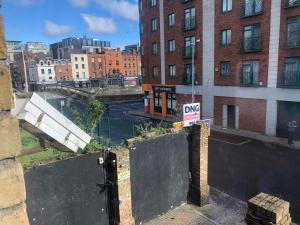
246 57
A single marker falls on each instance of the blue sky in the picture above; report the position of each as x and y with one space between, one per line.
51 20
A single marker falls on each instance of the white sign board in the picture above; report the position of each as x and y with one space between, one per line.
191 114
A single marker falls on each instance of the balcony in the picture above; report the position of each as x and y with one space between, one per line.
292 3
290 79
292 39
187 52
251 45
248 10
189 23
248 80
187 79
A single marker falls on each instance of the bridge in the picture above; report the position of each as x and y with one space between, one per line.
107 95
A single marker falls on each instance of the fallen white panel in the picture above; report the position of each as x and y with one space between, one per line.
44 117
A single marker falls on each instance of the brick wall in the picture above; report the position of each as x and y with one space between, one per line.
12 186
232 20
252 112
285 52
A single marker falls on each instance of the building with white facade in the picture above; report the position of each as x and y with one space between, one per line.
80 68
42 71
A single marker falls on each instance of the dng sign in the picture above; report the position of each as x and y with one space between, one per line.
191 114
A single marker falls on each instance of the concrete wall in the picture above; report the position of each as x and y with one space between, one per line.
12 186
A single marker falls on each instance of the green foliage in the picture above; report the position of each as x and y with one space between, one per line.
47 156
88 119
159 129
28 140
96 145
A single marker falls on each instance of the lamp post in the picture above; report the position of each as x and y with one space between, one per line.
193 69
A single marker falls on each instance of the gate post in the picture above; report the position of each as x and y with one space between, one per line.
123 186
12 184
199 183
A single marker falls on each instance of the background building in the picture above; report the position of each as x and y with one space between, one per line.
12 47
64 48
80 68
246 57
96 64
35 47
131 63
42 71
63 70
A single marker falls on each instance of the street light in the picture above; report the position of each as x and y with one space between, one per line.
193 68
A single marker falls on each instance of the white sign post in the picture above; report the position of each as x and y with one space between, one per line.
191 114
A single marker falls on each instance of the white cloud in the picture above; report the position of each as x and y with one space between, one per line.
122 8
53 29
99 25
80 3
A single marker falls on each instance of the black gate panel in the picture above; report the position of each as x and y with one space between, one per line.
67 193
159 175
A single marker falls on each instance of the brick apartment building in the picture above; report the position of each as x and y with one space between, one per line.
96 64
246 54
63 70
131 63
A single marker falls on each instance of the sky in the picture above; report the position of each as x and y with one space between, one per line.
50 21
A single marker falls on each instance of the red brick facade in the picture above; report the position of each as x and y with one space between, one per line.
232 53
63 72
252 112
96 64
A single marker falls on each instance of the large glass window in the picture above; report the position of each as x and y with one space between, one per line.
252 7
250 72
189 19
293 32
157 102
292 71
252 38
153 3
187 74
171 104
189 43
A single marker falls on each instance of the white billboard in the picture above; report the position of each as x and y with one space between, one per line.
191 114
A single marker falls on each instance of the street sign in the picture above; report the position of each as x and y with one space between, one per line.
191 114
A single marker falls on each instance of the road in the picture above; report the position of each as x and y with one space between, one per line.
243 168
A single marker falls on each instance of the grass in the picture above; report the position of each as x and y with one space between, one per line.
28 140
44 157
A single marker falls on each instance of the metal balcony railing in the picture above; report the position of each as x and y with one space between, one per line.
290 79
187 79
248 80
187 52
251 8
189 23
292 3
292 39
251 45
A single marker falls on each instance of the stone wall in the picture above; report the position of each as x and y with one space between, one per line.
12 186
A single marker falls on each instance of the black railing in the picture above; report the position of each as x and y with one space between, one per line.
249 80
254 9
292 3
187 79
188 52
290 79
292 39
189 23
251 44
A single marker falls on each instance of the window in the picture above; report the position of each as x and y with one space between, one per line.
171 104
152 3
154 24
292 71
171 19
292 3
188 74
293 32
82 66
141 29
93 59
250 72
189 19
117 62
76 66
82 59
76 59
252 38
49 71
252 7
172 70
172 45
155 71
226 5
154 48
157 102
42 71
141 5
226 37
77 74
189 49
99 60
83 74
225 69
